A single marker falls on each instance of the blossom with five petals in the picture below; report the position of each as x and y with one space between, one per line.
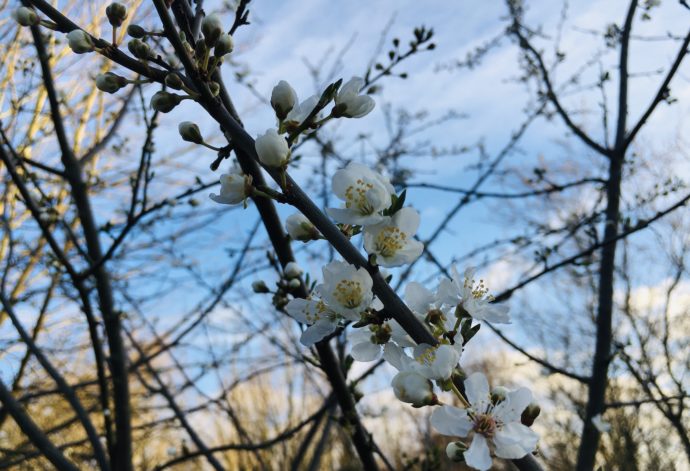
392 240
472 296
365 194
497 423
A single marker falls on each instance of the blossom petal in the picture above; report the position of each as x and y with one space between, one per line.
477 389
477 456
365 351
318 331
515 440
452 421
510 410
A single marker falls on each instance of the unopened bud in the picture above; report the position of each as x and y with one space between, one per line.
190 132
294 283
136 31
224 45
174 81
214 88
530 414
283 99
292 270
25 16
110 82
212 28
300 228
498 394
260 287
79 41
456 450
139 49
165 102
116 13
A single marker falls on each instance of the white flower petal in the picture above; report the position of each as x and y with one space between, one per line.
477 456
510 410
318 331
365 351
477 390
452 421
514 441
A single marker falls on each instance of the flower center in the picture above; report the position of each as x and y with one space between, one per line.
348 293
356 196
478 290
319 309
428 357
485 425
389 241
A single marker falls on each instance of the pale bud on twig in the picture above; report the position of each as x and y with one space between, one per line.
174 81
224 45
292 270
301 228
80 42
139 49
110 82
272 149
116 13
283 99
136 31
212 28
190 132
455 451
25 16
165 102
260 287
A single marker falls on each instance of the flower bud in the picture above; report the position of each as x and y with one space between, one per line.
212 28
224 45
260 287
283 99
136 31
139 49
25 16
174 81
190 132
235 188
292 270
79 41
294 283
498 394
110 82
116 13
301 228
530 414
214 88
272 149
455 451
164 101
413 388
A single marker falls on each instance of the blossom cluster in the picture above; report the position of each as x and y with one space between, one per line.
344 301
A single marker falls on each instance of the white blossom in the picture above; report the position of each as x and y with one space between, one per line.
346 289
368 342
473 297
392 240
365 194
498 423
283 99
350 103
432 362
301 228
79 41
235 187
272 148
321 319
